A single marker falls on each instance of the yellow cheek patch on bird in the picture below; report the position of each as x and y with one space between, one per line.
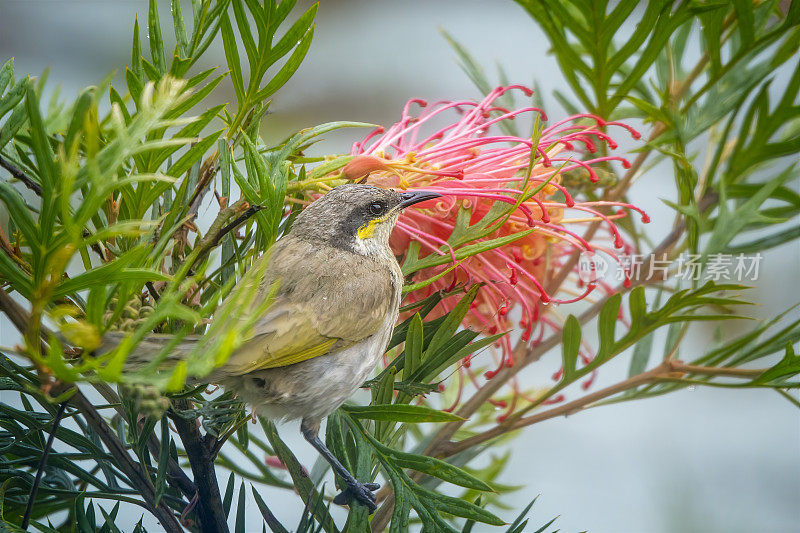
368 230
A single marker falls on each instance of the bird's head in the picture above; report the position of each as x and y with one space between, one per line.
358 218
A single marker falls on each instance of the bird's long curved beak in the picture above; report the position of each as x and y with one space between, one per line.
414 197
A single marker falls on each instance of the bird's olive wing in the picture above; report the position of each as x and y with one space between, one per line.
348 299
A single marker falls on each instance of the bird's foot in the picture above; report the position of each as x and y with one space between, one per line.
362 492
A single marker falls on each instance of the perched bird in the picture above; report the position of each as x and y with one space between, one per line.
337 301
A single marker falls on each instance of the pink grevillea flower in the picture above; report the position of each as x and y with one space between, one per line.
475 166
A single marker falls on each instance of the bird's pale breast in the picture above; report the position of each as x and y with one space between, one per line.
316 387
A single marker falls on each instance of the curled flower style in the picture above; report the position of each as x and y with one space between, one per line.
500 190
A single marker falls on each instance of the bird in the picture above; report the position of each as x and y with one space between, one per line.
336 288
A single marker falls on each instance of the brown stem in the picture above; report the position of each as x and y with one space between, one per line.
679 366
562 410
13 252
666 370
238 221
14 311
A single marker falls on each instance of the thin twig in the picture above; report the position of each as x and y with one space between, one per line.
680 366
152 289
566 409
26 519
20 175
665 371
138 479
95 247
252 210
219 228
14 311
206 175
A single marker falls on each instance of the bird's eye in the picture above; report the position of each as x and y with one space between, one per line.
376 208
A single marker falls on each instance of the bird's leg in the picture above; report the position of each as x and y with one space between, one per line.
355 489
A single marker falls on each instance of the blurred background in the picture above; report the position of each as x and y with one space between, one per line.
705 460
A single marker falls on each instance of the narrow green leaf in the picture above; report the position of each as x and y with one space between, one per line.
228 498
180 29
106 274
289 68
745 18
401 513
786 367
431 466
521 516
452 320
194 155
245 33
163 461
294 35
413 346
14 96
44 157
136 55
458 347
606 324
21 216
400 413
6 74
641 355
269 518
463 252
156 39
570 346
544 527
232 57
462 508
79 112
12 125
241 517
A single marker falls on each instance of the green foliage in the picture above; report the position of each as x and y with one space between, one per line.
729 131
263 52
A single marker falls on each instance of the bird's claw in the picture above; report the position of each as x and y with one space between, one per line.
361 492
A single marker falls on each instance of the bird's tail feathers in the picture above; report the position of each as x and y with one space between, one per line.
149 347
